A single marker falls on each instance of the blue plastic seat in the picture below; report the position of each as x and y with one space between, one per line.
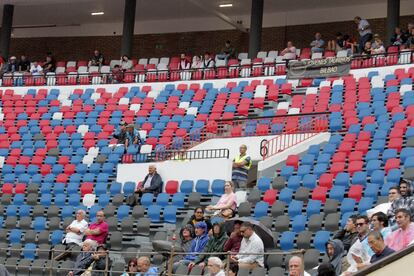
11 211
371 190
123 212
294 182
60 200
286 171
314 207
309 181
319 169
67 211
154 213
263 184
45 199
202 186
359 178
394 175
342 179
378 177
170 214
365 204
260 209
178 200
373 165
295 208
29 251
18 199
115 188
162 199
93 210
405 153
337 193
314 150
59 188
15 236
299 223
73 188
129 188
347 205
285 195
186 186
24 211
303 170
147 199
308 159
39 224
217 187
320 239
286 240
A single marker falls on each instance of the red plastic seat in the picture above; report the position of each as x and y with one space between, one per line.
236 131
62 178
326 180
392 163
69 169
45 169
395 143
355 192
171 187
355 156
362 146
345 147
7 188
286 88
270 196
20 188
181 132
337 168
86 188
339 157
258 102
355 166
293 160
319 193
262 129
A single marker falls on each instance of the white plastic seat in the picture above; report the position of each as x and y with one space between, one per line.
135 107
145 149
405 88
142 134
269 60
316 56
242 56
153 61
246 61
283 105
220 63
342 53
57 116
114 62
95 96
184 105
60 70
143 61
325 83
66 102
87 160
311 90
260 91
88 200
165 60
93 151
82 129
93 69
377 82
294 110
298 52
162 66
241 196
338 82
124 101
105 69
279 59
71 64
272 54
83 69
50 78
262 54
192 110
1 161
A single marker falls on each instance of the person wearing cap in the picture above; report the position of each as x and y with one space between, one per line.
12 66
120 133
132 136
197 245
99 265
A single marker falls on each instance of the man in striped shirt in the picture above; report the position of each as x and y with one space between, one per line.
241 167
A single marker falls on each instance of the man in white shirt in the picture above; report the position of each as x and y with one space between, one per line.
74 232
215 267
251 244
393 194
296 267
365 32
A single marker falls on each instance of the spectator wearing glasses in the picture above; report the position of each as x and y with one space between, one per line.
98 231
381 250
241 166
379 222
132 268
404 235
198 216
349 234
226 206
393 194
251 244
405 201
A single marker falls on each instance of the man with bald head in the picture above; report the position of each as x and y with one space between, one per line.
152 183
98 231
241 166
296 267
145 268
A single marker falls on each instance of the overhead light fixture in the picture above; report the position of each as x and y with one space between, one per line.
97 13
225 5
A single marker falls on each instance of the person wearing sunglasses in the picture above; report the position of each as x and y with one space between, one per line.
132 268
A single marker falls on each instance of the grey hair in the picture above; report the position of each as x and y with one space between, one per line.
296 258
216 261
92 243
81 211
146 259
376 235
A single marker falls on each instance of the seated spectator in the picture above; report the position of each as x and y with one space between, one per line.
335 251
85 258
126 64
145 268
349 234
120 133
226 206
215 244
152 183
98 231
197 245
12 66
36 69
49 65
398 38
208 62
97 59
197 63
367 51
186 237
75 230
241 166
296 267
336 44
393 194
132 136
251 244
198 216
404 235
215 267
376 242
132 267
410 39
350 44
101 262
233 269
406 201
318 44
117 75
24 64
227 52
232 245
289 52
326 269
377 47
185 65
379 222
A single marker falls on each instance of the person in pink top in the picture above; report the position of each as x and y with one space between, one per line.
227 204
404 235
98 231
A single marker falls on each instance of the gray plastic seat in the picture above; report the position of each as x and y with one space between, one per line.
158 259
38 137
117 269
331 206
282 223
15 250
3 234
138 211
302 194
23 268
194 199
274 260
267 221
65 267
30 236
279 182
243 272
37 267
43 237
276 271
332 222
67 222
53 211
32 188
117 200
245 209
127 225
303 240
31 199
410 142
53 152
112 223
278 209
275 236
143 226
10 222
382 199
58 249
101 159
258 271
109 210
25 223
254 196
160 236
43 251
182 270
130 252
311 258
54 223
6 199
11 264
3 252
196 270
38 211
315 222
409 173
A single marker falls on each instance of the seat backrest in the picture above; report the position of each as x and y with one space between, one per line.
89 200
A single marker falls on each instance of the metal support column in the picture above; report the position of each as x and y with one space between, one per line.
393 18
255 32
128 27
6 30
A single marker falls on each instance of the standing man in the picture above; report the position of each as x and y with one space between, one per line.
365 32
404 235
241 166
98 231
251 244
376 242
296 267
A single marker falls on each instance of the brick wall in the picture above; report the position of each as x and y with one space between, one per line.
158 45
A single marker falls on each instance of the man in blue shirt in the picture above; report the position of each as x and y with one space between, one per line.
376 242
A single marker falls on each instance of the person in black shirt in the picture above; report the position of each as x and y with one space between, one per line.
97 59
376 242
349 234
120 134
24 64
49 65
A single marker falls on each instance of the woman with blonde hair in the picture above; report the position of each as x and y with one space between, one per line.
227 204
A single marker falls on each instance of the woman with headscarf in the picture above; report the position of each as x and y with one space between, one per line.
335 251
406 201
186 236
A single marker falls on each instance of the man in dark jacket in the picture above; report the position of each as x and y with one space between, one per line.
84 259
349 234
120 133
234 242
101 262
152 183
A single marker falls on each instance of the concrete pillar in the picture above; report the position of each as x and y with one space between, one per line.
393 18
255 33
6 30
128 27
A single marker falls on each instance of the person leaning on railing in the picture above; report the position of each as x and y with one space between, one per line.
85 258
101 262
